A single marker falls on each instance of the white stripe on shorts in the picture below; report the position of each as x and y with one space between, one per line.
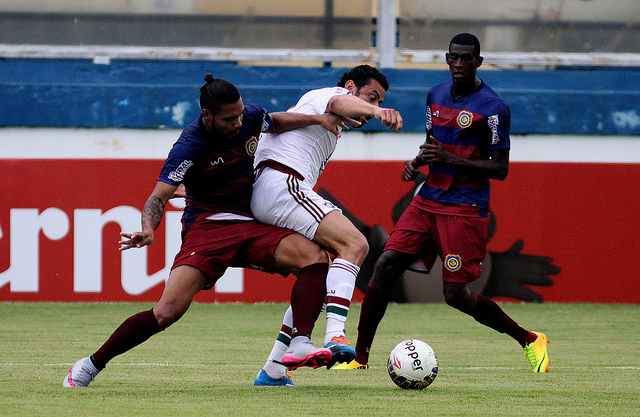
293 186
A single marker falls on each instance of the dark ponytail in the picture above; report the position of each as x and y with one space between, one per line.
217 92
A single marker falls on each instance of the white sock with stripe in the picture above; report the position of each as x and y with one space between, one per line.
341 281
273 367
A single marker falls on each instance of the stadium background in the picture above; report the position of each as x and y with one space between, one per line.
88 115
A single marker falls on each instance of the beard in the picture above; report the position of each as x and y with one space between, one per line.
215 133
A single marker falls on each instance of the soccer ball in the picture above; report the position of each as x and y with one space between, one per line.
412 364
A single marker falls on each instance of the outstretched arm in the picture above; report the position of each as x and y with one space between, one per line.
151 217
285 121
356 108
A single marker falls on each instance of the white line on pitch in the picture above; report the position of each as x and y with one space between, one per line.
457 368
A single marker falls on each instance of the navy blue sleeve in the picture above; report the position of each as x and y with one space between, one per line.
254 113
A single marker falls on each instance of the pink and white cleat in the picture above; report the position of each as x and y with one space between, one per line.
306 354
80 374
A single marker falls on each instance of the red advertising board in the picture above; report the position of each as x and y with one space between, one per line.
60 222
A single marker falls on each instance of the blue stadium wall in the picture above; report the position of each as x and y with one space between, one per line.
154 94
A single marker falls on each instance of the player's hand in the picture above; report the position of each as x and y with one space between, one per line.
135 240
410 171
433 151
389 117
333 123
512 271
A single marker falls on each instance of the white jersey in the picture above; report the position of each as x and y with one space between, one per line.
306 150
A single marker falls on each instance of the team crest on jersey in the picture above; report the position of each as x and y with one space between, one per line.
329 204
493 122
452 262
251 145
465 118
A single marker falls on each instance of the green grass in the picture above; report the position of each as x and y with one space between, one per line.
205 364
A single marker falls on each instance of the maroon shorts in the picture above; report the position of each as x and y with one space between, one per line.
461 242
212 246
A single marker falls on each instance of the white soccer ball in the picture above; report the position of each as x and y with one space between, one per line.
412 364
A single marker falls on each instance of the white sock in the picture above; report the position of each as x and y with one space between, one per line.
341 281
273 367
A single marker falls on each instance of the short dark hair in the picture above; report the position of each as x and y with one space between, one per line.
361 75
216 93
466 39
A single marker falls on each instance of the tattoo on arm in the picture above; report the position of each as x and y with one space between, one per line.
152 212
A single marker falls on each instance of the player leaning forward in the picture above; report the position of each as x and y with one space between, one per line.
213 159
287 168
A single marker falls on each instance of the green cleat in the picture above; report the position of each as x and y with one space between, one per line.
536 352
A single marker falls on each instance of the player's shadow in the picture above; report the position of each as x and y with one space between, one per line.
505 274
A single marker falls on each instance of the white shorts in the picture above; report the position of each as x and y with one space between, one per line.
283 200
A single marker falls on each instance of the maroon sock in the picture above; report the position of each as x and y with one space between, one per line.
133 331
374 305
307 297
485 311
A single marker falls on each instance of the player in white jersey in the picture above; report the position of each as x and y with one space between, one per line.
307 150
287 168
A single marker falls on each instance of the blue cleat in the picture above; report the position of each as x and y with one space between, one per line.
264 380
342 351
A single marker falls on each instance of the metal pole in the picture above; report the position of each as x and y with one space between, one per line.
328 24
386 33
328 27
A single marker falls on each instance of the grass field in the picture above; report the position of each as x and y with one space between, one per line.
205 364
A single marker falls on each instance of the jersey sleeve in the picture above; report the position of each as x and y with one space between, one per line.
316 101
256 113
499 124
176 164
427 113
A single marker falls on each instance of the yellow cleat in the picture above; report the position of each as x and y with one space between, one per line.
351 365
536 352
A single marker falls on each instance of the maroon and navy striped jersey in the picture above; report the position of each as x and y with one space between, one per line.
216 172
469 127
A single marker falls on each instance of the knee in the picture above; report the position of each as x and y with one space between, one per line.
358 248
317 256
167 315
456 296
452 300
387 270
312 254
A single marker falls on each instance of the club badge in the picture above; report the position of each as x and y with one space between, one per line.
251 145
452 262
465 118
